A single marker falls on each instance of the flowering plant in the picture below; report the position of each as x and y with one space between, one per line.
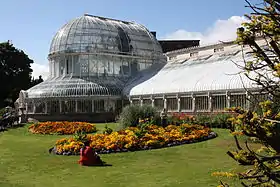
61 128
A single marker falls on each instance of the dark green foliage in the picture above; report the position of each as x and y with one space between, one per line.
107 130
220 120
2 112
131 115
36 81
214 120
80 136
15 73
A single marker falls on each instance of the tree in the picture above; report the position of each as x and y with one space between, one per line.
15 72
263 23
36 81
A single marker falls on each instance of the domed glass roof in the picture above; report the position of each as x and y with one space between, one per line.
93 34
76 87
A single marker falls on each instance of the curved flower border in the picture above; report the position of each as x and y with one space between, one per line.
136 139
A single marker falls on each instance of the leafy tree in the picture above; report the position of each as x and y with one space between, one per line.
263 23
36 81
15 72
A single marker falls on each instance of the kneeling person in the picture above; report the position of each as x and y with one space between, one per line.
88 157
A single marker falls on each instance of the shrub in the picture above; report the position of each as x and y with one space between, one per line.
215 120
131 115
2 112
107 130
221 120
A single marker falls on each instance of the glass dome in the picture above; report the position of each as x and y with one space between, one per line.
76 87
89 34
94 46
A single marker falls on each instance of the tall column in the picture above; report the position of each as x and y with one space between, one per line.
193 104
153 102
247 101
26 107
92 106
130 101
210 107
141 101
76 106
46 107
179 104
122 103
60 106
34 108
113 104
227 100
164 102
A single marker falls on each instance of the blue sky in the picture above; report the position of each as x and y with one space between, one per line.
31 24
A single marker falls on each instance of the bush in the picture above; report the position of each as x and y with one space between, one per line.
2 112
220 120
214 121
107 130
131 115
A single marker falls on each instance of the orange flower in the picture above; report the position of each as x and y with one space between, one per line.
62 127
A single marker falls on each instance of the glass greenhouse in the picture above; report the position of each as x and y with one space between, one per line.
91 59
202 79
97 65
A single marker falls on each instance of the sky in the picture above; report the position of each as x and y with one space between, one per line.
31 24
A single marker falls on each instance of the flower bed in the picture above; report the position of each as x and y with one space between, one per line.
61 128
133 139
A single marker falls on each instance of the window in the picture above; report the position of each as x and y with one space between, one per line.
40 108
256 99
219 103
84 106
159 103
172 104
238 101
68 106
147 101
54 107
201 103
99 106
136 102
186 103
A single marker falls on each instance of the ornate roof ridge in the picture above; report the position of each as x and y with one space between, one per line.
111 19
201 47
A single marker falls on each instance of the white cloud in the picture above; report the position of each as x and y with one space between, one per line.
40 69
221 30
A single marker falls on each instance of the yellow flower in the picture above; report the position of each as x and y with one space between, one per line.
224 174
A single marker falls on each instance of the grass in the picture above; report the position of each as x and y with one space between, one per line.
25 162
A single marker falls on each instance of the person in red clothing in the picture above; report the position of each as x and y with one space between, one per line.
88 157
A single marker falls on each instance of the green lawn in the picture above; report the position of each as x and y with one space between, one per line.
25 162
